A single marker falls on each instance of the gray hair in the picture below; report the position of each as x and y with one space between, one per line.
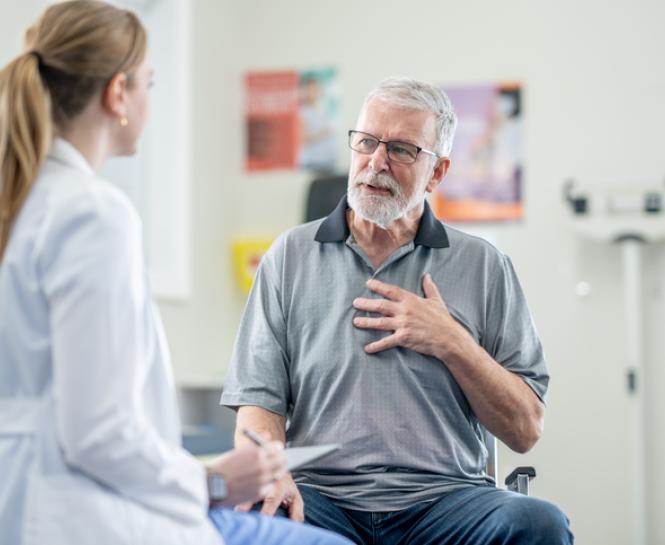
418 95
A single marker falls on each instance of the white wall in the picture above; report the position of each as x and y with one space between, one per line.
594 84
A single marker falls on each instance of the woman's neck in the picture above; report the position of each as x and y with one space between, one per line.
89 142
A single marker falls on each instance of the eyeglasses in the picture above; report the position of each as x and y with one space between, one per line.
400 152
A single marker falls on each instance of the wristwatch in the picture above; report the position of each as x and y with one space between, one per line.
217 489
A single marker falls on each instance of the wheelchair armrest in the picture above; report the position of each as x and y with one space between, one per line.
518 480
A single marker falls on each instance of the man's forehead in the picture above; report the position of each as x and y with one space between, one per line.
396 122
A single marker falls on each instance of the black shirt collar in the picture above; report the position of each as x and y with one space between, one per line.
335 228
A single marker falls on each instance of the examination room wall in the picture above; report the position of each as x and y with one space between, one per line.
593 90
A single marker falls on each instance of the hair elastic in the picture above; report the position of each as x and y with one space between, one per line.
37 55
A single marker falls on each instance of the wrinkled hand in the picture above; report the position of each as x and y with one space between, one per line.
250 471
283 493
422 324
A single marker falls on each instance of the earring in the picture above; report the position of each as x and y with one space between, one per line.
124 121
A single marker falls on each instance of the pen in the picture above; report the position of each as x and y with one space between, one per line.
254 437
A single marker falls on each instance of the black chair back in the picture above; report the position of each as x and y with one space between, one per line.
323 196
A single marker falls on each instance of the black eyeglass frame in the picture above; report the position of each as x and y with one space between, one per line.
388 145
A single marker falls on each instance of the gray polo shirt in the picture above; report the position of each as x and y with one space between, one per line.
406 428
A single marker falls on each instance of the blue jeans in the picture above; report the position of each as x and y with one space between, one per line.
479 515
255 529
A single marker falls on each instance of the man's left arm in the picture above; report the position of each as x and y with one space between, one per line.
500 398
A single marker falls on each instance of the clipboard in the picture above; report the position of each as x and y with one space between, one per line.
297 457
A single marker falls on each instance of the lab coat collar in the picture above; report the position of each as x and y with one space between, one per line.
64 152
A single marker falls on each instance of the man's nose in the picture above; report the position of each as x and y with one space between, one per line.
379 159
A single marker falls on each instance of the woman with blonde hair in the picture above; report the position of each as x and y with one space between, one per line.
89 431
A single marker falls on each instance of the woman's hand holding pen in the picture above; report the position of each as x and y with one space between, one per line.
283 492
250 471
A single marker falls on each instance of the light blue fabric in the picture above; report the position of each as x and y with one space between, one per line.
254 529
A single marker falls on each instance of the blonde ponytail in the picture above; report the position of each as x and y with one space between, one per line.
25 136
75 49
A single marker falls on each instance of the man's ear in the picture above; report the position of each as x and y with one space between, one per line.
114 98
440 170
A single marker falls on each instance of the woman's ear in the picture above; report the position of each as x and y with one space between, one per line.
114 98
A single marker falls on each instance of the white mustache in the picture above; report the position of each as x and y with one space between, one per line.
380 180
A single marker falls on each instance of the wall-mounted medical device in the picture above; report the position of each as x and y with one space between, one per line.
630 214
612 210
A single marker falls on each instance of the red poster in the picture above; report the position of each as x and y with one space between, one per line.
272 120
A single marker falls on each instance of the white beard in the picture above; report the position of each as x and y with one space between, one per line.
381 210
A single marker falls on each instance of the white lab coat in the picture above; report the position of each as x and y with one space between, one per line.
89 431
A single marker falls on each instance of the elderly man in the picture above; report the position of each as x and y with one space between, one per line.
381 329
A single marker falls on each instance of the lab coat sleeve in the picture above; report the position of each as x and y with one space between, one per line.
93 277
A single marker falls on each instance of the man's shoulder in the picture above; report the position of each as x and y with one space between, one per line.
297 236
470 245
294 241
303 233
